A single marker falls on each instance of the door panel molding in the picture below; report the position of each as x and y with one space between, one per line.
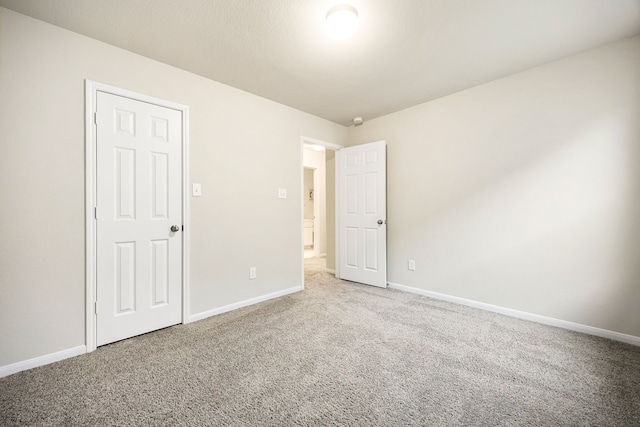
91 90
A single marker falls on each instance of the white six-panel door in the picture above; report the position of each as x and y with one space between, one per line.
139 199
363 213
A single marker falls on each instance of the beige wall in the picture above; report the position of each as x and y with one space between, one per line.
308 186
242 149
524 192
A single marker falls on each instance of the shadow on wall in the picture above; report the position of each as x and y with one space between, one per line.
532 232
625 223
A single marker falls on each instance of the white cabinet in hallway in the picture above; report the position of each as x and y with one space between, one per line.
308 233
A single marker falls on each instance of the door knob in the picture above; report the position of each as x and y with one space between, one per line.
175 228
380 222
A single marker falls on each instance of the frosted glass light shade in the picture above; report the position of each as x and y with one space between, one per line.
342 21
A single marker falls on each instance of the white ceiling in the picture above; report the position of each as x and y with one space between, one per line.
406 51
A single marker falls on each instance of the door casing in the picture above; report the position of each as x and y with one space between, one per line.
91 89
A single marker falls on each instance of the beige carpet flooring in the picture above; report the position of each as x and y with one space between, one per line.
339 353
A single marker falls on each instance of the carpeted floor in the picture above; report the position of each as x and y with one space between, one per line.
339 354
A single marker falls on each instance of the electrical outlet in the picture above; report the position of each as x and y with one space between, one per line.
252 273
282 193
412 264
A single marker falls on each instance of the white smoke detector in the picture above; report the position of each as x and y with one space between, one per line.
357 121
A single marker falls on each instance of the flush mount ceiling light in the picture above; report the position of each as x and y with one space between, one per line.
342 21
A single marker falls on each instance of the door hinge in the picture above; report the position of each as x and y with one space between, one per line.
183 228
95 307
95 117
95 212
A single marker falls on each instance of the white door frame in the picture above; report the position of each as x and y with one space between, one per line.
328 145
91 90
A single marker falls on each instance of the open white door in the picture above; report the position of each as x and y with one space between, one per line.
139 217
362 214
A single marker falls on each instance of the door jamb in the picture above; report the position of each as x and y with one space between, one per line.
91 90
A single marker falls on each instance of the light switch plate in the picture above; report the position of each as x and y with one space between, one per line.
197 190
282 193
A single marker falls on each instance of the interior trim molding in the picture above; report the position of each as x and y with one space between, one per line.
42 360
325 144
245 303
577 327
329 270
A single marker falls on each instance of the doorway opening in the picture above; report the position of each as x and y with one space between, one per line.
318 238
351 236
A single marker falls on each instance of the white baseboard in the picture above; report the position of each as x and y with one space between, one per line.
42 360
328 270
590 330
76 351
244 303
